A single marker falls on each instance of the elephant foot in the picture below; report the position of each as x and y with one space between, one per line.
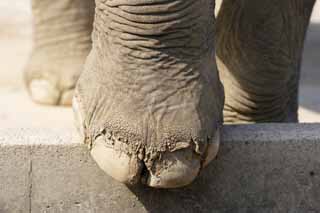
149 101
62 41
132 152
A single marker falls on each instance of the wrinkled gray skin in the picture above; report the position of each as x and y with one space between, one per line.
259 49
149 103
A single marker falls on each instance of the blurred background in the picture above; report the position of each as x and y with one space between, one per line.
15 46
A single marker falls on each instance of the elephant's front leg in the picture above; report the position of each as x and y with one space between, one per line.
62 40
149 102
259 48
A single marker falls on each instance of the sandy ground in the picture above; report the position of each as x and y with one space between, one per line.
16 110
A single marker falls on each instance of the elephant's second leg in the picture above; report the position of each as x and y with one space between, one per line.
259 49
62 41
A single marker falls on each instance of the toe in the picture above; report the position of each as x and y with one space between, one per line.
181 167
78 118
175 169
43 92
119 165
212 149
66 97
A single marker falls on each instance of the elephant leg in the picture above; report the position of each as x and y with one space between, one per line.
259 49
61 32
149 102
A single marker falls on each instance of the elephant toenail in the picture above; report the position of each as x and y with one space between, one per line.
78 118
121 166
175 169
212 149
66 97
43 92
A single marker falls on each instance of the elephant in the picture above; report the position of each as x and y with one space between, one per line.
152 81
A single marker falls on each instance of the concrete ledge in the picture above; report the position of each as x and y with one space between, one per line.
260 168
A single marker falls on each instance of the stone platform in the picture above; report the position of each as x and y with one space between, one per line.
260 168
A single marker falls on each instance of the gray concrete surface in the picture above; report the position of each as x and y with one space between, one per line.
260 168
